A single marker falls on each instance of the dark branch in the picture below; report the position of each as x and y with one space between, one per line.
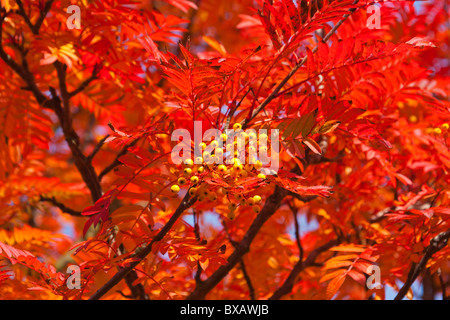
436 244
251 289
116 161
288 284
297 232
185 204
97 148
85 83
61 206
270 207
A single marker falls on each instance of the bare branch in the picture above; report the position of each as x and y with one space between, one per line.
288 284
185 204
436 244
116 161
251 289
61 206
97 148
270 207
85 83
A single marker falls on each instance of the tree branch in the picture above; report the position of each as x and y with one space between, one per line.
251 289
436 244
185 204
40 20
288 284
85 83
116 161
277 89
61 206
270 207
97 148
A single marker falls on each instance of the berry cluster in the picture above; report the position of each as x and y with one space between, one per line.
439 130
229 173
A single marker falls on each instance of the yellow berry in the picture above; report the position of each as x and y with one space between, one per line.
248 167
188 163
182 181
218 152
212 196
200 169
231 215
243 135
261 176
198 160
202 146
445 126
201 198
238 196
258 165
252 136
437 130
232 206
250 201
243 173
257 209
222 168
214 144
263 137
252 150
413 118
257 199
187 171
194 179
175 188
214 159
235 161
237 126
224 136
263 149
206 155
192 191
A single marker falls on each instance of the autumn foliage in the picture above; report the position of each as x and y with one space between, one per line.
87 179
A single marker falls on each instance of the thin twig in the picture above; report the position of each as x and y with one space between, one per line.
297 232
274 93
116 161
61 206
442 283
251 289
85 83
97 148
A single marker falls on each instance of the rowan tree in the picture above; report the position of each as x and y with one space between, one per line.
91 96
